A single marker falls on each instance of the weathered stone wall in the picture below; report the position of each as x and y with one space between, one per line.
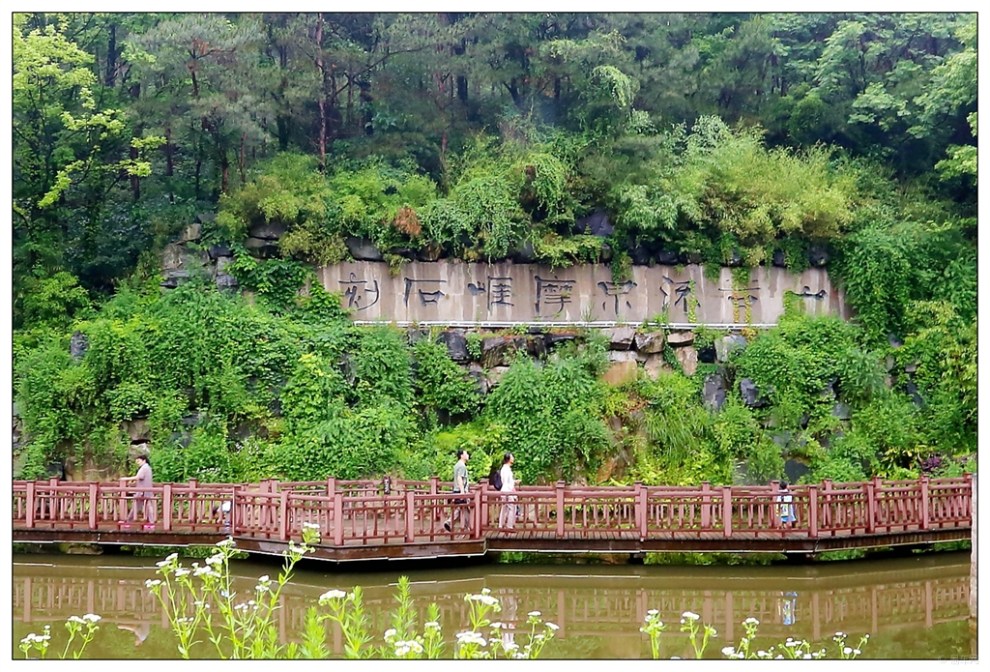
452 291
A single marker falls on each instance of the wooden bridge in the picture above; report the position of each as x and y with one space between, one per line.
371 520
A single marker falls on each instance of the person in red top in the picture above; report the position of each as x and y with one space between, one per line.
143 497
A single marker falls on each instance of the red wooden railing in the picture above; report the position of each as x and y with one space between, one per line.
375 512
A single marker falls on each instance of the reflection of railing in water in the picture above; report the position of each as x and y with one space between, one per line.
598 612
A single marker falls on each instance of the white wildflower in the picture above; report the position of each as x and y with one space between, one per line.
152 583
484 598
432 625
215 559
92 618
689 616
653 612
332 595
553 626
180 572
534 614
390 633
846 650
729 651
471 637
751 621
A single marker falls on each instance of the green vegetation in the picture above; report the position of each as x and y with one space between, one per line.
739 139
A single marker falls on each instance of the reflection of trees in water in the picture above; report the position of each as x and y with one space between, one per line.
599 616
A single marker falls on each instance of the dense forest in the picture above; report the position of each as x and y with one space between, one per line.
846 140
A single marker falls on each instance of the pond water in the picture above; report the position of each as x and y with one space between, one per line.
914 607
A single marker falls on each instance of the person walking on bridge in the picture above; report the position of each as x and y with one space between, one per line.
460 487
143 497
507 516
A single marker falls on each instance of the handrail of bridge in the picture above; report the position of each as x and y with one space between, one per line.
403 511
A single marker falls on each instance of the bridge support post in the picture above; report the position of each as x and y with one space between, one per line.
706 505
641 513
727 511
167 507
283 519
338 519
813 511
410 516
476 518
871 505
483 515
560 508
925 510
29 497
94 499
122 502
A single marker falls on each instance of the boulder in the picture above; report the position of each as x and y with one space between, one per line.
916 397
595 224
713 392
137 429
362 249
172 256
262 247
621 338
495 351
779 259
524 253
653 365
751 395
78 345
688 358
622 356
552 340
480 381
690 257
842 411
649 342
727 344
429 253
707 354
639 255
217 251
495 375
620 373
414 336
817 256
225 281
666 257
192 233
456 344
735 259
174 278
268 230
206 217
679 339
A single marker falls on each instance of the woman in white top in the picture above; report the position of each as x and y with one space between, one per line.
507 516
